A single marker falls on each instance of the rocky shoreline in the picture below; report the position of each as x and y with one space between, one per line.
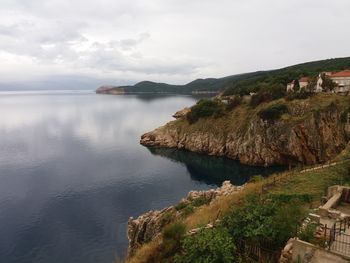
149 226
307 137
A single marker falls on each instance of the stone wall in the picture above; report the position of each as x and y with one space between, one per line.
304 252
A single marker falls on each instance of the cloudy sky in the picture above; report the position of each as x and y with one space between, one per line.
173 41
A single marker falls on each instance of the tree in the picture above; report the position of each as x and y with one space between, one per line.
311 85
296 85
327 83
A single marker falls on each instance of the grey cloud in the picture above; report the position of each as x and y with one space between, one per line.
167 40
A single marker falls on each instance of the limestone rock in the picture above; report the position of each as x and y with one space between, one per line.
149 225
316 137
181 113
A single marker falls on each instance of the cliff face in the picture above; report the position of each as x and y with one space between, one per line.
314 131
150 225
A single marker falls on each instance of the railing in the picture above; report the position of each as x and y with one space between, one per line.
335 238
257 252
339 240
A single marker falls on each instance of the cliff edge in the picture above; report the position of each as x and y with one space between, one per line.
309 131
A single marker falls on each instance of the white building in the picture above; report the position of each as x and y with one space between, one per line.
290 86
342 78
303 82
319 83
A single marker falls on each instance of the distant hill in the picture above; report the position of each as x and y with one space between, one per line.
247 82
280 77
199 85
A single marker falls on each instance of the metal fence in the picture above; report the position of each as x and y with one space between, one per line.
258 253
339 237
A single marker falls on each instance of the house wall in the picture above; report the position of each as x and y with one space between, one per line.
319 85
303 84
290 87
342 81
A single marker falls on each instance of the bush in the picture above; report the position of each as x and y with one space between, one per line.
181 206
172 236
301 95
205 108
308 233
344 116
200 201
233 103
267 222
267 94
273 113
208 245
187 211
167 217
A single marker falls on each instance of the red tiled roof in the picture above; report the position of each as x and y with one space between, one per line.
344 73
304 79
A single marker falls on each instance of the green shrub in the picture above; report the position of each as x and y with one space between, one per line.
308 233
267 94
344 115
167 217
200 201
208 245
233 103
181 206
273 113
267 222
187 211
172 236
301 95
205 108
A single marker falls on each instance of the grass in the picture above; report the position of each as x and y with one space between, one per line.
238 120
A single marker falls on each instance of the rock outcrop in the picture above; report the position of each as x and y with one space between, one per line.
309 134
150 225
181 113
106 89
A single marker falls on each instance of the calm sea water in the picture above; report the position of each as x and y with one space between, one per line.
72 172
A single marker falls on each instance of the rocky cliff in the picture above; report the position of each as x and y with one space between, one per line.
313 131
150 225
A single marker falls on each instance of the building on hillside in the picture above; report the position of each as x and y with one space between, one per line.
290 86
319 83
303 82
342 79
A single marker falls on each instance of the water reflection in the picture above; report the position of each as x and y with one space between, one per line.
72 172
213 170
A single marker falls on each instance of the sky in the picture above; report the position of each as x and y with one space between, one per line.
174 41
